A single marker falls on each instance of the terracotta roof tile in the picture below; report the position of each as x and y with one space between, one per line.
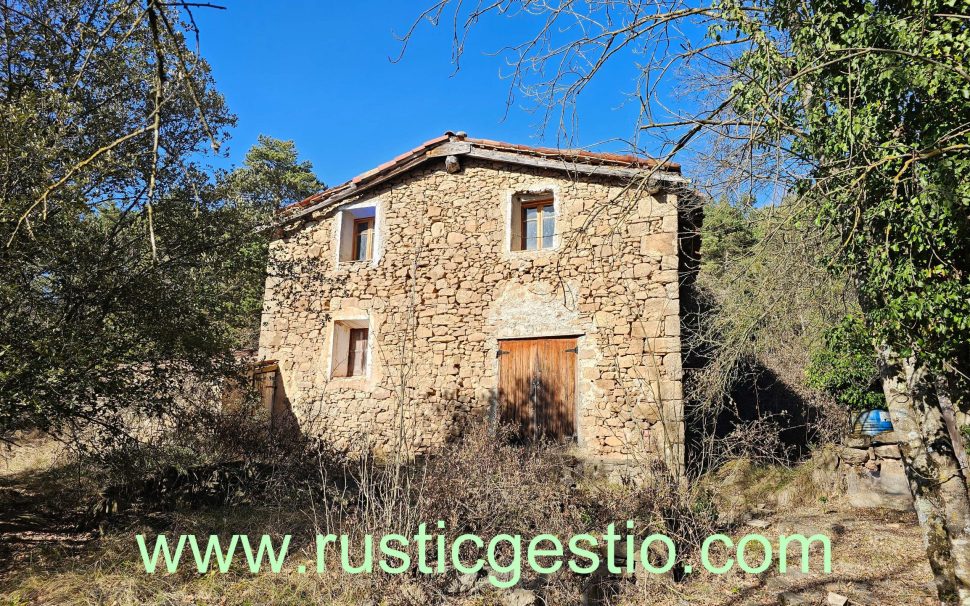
574 154
570 155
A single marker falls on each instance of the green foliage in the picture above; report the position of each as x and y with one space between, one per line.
876 97
845 367
124 270
728 233
764 306
112 280
271 177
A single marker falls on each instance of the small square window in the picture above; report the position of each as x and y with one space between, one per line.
350 354
533 222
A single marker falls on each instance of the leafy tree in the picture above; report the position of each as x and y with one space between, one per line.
111 241
271 177
881 102
727 234
764 303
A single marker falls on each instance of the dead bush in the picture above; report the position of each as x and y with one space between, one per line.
486 485
207 460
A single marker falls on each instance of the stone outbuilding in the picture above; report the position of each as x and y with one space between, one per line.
469 279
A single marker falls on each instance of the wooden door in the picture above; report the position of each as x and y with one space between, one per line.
537 386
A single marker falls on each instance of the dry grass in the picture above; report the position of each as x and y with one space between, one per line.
480 485
877 560
877 555
33 452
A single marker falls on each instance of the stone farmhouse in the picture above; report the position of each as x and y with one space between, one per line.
469 279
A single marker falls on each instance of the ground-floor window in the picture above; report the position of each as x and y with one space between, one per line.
350 356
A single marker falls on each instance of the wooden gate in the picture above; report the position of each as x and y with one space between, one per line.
537 386
266 379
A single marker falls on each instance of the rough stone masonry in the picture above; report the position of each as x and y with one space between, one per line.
444 284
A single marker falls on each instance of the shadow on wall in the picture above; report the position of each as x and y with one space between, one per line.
444 414
532 406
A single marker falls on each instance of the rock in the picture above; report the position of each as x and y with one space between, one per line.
826 459
455 238
519 597
887 488
463 583
758 523
790 598
889 451
826 474
854 456
886 437
834 599
857 441
787 496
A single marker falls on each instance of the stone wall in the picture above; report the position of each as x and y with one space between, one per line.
874 474
444 287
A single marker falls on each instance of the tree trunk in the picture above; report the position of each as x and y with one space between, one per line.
949 409
938 483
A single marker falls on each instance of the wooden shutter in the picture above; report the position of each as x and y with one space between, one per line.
357 352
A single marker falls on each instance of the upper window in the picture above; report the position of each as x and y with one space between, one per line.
363 239
358 234
533 222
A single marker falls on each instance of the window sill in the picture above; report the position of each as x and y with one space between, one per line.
355 381
529 254
355 264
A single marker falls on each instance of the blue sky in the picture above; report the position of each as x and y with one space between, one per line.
319 73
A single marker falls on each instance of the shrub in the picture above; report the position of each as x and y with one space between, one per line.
845 367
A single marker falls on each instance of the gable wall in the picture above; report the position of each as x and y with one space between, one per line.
445 289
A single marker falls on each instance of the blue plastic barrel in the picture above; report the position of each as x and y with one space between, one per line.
872 422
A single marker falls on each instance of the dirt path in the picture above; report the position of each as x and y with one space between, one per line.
877 560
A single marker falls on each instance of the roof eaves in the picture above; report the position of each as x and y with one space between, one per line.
569 158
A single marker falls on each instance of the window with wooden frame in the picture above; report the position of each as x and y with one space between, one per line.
358 239
533 222
349 350
363 239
